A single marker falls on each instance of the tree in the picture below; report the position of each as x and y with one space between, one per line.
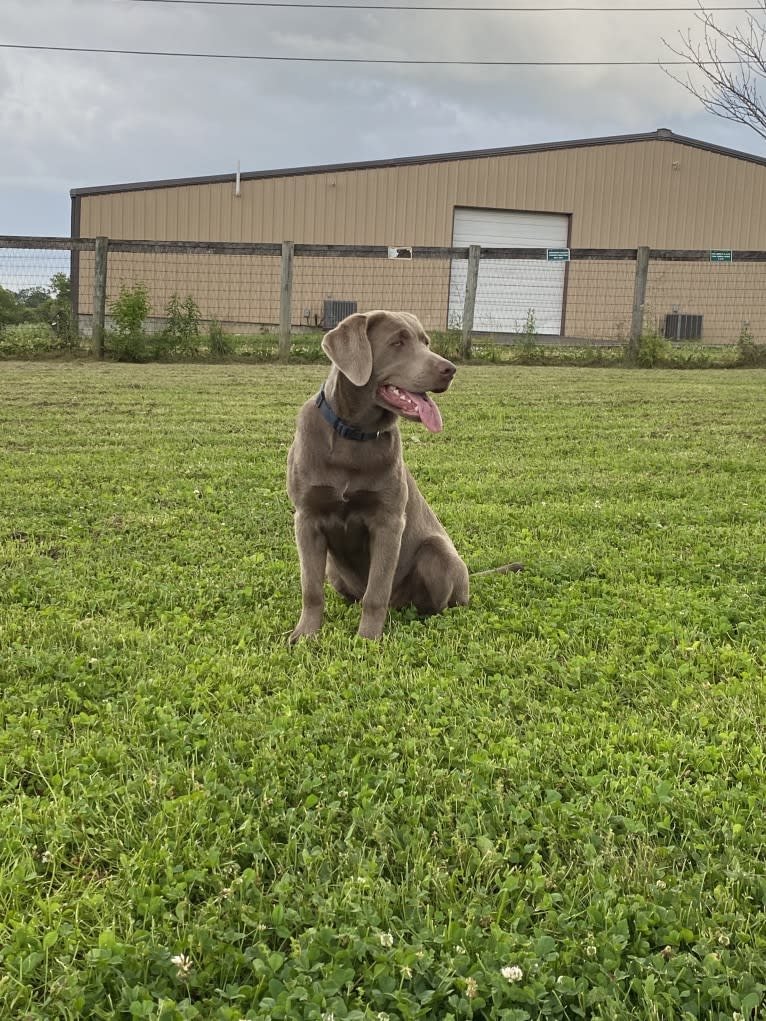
732 66
33 298
10 311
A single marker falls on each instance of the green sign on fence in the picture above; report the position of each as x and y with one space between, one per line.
720 255
557 254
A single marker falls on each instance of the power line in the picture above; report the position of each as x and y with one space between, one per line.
366 60
459 10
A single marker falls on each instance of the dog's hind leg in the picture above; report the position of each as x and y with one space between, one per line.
439 578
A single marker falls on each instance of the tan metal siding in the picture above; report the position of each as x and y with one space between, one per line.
619 195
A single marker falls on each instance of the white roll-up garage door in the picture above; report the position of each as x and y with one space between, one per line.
508 290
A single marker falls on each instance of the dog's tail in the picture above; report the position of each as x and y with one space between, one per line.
505 569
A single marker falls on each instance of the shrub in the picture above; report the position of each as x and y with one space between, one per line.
527 349
748 352
27 339
219 343
653 349
182 322
129 313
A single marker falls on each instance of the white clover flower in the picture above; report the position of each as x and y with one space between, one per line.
328 1017
591 951
386 939
723 940
661 884
183 965
382 1016
471 988
460 948
512 972
407 971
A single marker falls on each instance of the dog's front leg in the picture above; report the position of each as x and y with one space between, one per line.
312 552
385 543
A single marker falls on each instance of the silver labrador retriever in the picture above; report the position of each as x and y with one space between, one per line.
359 516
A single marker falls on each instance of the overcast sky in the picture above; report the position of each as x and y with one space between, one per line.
72 119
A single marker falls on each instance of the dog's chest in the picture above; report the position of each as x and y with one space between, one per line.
342 503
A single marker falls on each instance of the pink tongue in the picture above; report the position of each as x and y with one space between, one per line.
429 413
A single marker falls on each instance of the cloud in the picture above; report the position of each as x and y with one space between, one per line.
69 120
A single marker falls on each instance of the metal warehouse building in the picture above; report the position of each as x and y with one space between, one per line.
658 189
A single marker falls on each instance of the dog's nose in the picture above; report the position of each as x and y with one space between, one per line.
448 371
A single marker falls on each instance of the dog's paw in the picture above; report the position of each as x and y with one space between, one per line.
372 630
303 631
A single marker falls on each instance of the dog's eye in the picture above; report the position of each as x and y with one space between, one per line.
398 341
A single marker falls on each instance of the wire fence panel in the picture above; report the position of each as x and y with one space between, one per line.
594 295
239 291
599 300
513 296
35 300
26 269
327 285
707 302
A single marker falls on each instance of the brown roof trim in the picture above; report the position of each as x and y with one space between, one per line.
662 134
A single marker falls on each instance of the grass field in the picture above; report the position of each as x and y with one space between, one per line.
549 804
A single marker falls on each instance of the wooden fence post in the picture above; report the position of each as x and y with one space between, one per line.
639 301
99 295
471 283
285 299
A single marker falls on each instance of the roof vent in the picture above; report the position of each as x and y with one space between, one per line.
664 133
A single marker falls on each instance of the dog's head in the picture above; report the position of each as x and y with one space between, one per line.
389 352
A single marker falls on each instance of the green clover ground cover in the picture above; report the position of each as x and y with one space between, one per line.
546 805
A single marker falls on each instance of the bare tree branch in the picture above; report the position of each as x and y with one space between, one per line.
732 64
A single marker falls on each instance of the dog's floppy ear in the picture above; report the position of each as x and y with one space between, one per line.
348 346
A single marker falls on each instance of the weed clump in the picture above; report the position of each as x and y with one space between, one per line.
749 353
129 312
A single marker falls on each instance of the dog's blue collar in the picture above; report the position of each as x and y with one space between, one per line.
348 432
